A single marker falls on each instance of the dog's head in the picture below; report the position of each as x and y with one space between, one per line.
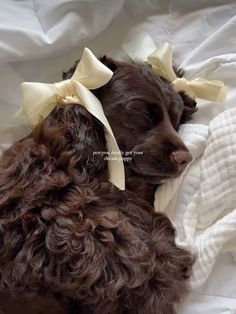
145 113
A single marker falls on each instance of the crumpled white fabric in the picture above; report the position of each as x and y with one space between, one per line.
202 202
30 28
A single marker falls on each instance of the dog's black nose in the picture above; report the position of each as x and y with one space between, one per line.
181 158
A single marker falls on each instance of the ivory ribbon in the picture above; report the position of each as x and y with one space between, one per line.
143 49
40 99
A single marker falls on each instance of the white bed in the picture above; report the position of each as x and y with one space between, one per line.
40 38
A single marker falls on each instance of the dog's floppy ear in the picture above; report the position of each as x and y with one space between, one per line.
189 107
109 62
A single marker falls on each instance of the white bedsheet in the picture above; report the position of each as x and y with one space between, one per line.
39 39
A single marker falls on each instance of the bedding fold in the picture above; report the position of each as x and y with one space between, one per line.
32 29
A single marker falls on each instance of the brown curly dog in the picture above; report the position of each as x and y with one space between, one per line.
66 231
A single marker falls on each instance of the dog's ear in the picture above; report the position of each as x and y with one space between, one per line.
68 74
189 107
109 62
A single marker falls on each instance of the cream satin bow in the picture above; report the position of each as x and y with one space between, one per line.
40 99
143 49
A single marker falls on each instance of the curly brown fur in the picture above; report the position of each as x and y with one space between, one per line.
66 230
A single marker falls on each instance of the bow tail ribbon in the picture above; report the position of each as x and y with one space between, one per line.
93 105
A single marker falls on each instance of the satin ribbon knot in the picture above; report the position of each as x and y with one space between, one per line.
40 99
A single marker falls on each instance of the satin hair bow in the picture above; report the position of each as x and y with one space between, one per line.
143 49
40 99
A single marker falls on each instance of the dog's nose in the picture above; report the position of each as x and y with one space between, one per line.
181 158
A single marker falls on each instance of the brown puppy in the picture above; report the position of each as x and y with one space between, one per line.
66 230
145 114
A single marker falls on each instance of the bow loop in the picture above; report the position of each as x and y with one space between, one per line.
40 99
161 61
211 90
90 72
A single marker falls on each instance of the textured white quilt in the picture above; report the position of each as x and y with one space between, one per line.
202 202
41 38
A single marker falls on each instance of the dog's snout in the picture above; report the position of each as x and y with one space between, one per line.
181 158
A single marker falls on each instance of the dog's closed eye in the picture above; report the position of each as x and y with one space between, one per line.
155 114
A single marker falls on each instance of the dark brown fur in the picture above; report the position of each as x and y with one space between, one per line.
66 230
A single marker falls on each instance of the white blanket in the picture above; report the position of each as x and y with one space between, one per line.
202 202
